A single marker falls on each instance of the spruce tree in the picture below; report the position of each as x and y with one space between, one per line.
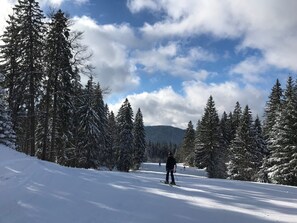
9 56
261 145
102 112
110 155
25 81
139 143
242 164
272 111
224 129
225 140
260 149
273 106
236 116
89 129
57 108
207 145
124 140
188 145
282 161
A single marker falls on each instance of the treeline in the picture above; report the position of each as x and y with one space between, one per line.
45 110
158 152
237 146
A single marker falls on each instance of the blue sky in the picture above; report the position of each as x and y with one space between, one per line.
168 56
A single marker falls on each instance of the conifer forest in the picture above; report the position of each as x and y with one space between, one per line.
46 112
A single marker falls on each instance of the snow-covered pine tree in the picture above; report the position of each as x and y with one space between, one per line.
272 111
89 130
101 111
26 81
242 150
110 155
260 150
236 116
59 87
7 134
9 54
282 161
139 143
207 145
225 128
259 139
273 106
187 152
124 141
72 153
230 126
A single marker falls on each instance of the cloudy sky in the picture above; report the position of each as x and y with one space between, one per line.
168 56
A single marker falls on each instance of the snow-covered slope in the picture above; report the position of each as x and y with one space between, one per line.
32 191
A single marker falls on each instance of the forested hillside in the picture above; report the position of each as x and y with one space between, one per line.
164 134
162 139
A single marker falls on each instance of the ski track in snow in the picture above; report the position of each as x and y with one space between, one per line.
32 191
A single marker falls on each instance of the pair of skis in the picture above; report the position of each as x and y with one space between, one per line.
172 185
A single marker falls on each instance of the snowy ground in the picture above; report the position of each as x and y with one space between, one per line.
35 191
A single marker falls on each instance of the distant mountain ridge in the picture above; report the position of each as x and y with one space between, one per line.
164 134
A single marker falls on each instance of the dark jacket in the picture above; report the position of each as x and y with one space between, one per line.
171 162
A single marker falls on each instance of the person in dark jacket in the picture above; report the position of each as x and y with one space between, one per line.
170 168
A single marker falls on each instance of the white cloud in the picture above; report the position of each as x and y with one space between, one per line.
225 95
185 18
136 6
268 25
109 44
159 107
172 60
166 106
251 69
117 50
55 3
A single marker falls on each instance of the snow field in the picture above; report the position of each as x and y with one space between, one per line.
32 191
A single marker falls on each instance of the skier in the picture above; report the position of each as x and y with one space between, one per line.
170 168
